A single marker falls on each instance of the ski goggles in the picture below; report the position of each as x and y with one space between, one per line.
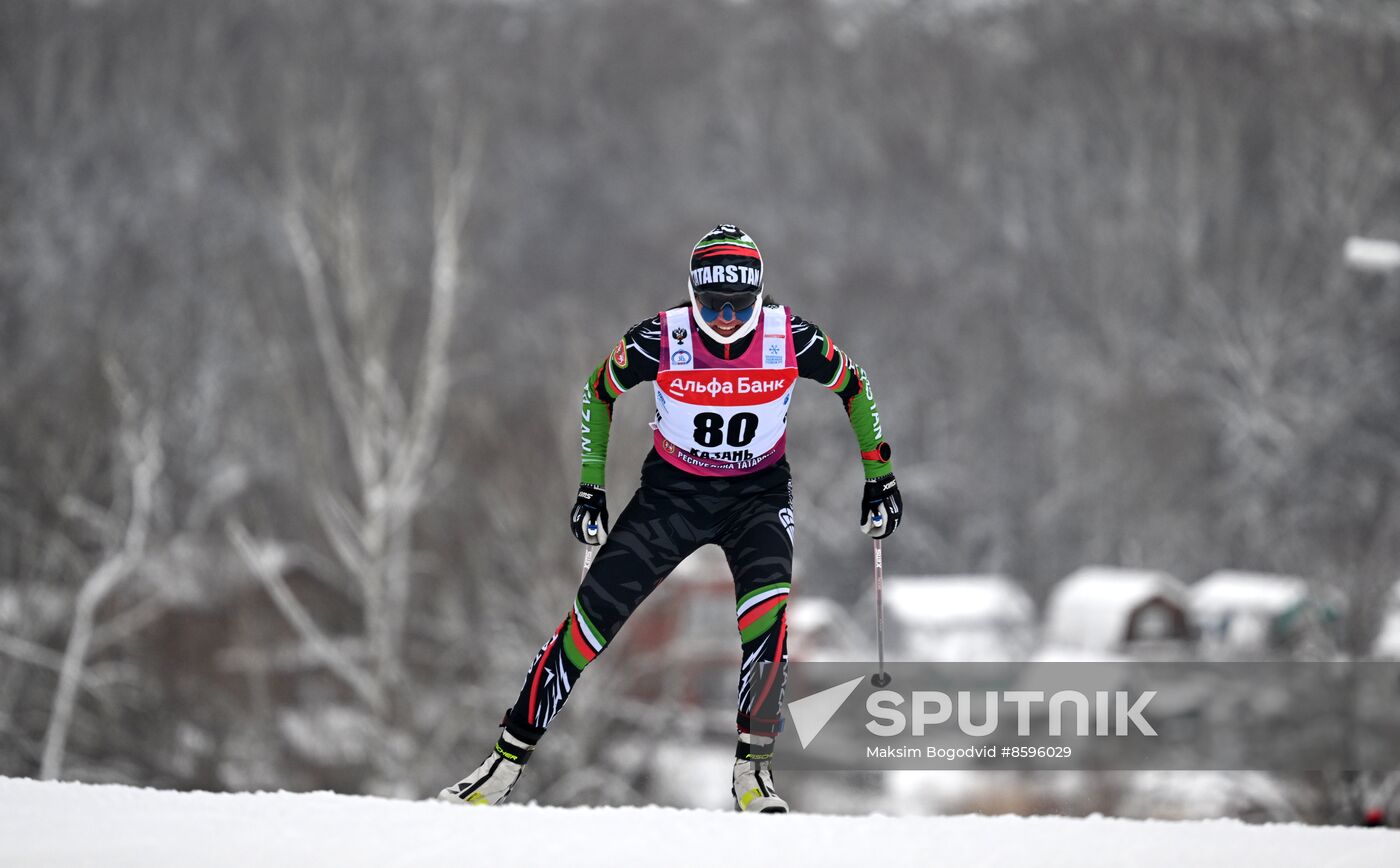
713 305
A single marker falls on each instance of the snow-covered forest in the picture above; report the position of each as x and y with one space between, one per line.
297 298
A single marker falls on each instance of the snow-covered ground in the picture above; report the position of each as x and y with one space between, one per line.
44 824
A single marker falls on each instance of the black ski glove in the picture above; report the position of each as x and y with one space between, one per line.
589 520
881 500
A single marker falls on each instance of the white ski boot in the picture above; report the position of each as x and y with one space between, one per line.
490 782
753 778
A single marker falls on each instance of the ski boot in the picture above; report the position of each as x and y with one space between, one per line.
490 782
753 777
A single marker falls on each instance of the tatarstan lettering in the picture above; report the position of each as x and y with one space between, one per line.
725 274
712 462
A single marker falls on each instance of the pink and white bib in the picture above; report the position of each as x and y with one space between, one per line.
724 417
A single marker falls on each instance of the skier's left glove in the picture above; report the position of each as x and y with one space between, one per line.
589 520
881 501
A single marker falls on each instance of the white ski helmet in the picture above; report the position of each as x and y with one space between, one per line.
726 270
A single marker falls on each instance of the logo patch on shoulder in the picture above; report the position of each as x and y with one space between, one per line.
679 335
620 353
680 357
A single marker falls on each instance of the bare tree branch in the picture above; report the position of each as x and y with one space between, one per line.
434 371
140 449
264 561
334 360
27 652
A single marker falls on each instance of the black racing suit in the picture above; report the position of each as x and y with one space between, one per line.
674 513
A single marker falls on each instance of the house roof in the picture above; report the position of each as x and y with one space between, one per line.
1090 608
945 601
1233 591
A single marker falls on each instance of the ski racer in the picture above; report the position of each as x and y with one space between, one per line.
723 368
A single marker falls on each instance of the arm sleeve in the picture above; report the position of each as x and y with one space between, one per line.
632 361
821 360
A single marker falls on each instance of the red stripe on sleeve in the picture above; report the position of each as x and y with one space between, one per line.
535 682
761 609
579 642
773 670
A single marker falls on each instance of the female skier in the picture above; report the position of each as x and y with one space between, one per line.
724 367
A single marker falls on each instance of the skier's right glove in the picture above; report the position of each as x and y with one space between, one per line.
881 501
589 520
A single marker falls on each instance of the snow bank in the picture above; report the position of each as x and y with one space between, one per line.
47 824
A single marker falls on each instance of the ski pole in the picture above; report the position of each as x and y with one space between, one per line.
589 552
880 678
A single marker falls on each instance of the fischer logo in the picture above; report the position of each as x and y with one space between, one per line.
727 387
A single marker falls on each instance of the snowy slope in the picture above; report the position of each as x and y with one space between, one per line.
77 824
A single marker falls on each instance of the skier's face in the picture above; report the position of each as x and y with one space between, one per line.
726 312
726 324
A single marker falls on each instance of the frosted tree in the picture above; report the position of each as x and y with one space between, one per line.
391 434
124 528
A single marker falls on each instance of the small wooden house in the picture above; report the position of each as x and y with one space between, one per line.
1109 610
1243 614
